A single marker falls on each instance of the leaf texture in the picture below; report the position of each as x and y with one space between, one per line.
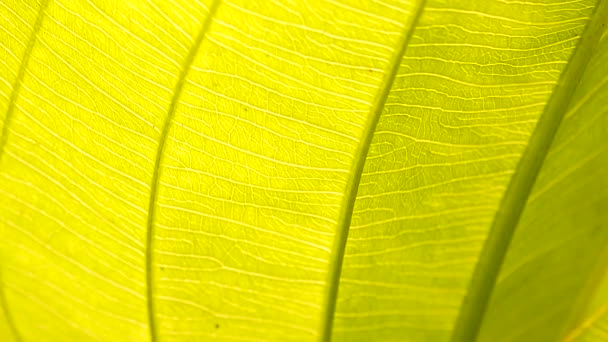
563 230
291 170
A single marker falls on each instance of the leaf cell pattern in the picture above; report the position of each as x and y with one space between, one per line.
291 170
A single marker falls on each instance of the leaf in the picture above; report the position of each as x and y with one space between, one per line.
563 230
302 170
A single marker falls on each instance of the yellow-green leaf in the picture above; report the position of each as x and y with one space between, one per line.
297 170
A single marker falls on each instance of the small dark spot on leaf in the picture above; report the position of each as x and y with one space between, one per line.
217 326
162 268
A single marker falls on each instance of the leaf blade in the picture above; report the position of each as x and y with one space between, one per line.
271 226
257 166
420 228
562 232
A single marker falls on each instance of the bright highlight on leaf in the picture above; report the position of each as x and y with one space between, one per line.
303 170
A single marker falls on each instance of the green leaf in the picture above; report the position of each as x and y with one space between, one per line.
291 170
562 238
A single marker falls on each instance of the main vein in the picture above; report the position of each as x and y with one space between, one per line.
350 195
10 110
507 217
186 66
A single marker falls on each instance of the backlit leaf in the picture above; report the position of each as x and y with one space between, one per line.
296 170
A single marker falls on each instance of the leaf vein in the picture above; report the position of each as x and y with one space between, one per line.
345 217
518 192
185 68
4 136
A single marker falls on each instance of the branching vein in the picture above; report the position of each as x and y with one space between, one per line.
185 68
515 198
344 220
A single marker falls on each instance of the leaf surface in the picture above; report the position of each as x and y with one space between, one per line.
562 237
299 170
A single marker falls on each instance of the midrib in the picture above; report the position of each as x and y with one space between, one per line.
352 185
186 67
514 200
